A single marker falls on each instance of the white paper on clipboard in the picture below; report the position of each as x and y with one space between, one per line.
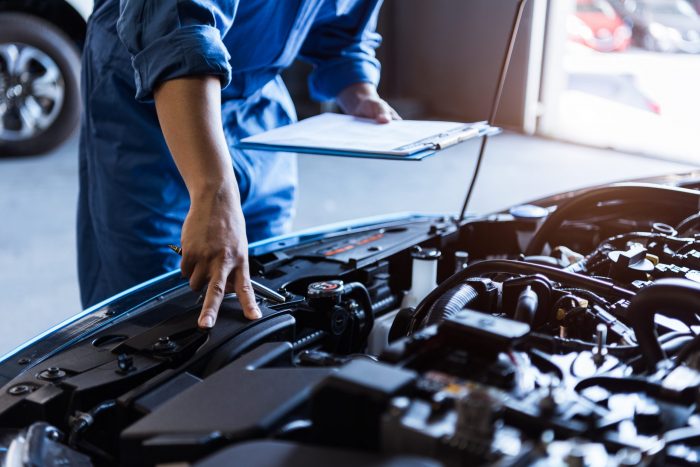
336 132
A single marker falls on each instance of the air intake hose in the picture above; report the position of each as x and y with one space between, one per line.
677 298
451 303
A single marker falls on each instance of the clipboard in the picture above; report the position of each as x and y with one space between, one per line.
347 136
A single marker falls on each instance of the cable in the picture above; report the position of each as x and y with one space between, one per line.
83 420
505 64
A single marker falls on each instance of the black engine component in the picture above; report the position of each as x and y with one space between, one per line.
583 353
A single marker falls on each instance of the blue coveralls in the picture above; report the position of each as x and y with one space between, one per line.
133 200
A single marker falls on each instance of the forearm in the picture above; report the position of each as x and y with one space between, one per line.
189 111
214 243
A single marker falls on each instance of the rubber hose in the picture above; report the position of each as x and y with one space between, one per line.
516 267
692 222
451 303
526 308
359 292
677 298
654 194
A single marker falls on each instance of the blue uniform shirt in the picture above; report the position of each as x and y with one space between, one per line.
132 198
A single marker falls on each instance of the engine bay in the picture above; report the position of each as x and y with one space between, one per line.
563 332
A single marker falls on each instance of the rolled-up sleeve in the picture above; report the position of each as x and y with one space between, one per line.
169 39
342 49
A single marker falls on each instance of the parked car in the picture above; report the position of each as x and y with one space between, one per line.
40 45
562 332
598 26
664 25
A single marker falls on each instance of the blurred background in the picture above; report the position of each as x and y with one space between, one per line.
599 91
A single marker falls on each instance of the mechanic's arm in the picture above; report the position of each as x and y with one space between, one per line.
342 51
214 244
180 61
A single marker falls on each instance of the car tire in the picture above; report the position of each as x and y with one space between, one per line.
38 52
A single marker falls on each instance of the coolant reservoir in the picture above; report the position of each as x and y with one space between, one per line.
423 275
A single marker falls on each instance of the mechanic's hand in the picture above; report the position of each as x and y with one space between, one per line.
215 252
362 100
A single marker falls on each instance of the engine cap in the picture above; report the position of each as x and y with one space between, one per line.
325 289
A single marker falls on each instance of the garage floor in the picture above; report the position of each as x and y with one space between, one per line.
38 286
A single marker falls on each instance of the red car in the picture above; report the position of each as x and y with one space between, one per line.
598 26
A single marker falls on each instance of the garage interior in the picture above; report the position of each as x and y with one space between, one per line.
491 255
440 60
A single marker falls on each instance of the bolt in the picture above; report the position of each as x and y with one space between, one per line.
52 373
20 390
53 434
164 344
24 361
125 363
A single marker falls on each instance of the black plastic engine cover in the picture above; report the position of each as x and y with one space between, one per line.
277 453
238 402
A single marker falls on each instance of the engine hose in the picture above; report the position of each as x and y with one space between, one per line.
451 303
692 222
671 342
83 420
515 267
358 291
691 347
677 298
680 198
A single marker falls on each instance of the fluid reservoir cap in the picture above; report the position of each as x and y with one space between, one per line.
528 212
426 254
325 289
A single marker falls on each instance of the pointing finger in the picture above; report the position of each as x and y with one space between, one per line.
245 293
212 301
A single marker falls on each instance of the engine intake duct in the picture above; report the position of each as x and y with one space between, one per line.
677 298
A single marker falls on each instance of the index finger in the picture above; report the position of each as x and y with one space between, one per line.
212 300
245 293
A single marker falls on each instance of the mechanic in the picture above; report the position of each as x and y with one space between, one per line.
169 88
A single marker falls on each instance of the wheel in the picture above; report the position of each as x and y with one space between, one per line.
39 85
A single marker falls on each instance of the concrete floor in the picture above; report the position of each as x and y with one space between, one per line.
38 286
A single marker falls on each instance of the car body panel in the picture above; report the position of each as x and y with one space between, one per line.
602 29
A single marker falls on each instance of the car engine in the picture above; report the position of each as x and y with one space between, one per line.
562 332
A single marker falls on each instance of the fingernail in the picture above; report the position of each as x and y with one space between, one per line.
257 314
207 322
